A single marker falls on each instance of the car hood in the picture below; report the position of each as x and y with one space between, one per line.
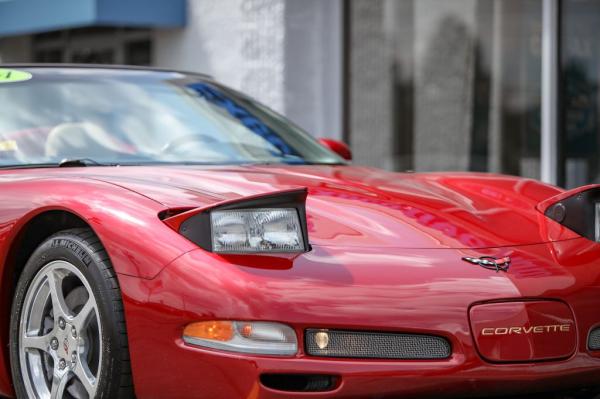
365 207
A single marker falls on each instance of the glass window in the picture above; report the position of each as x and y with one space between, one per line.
138 117
49 56
91 55
138 52
95 45
580 74
466 78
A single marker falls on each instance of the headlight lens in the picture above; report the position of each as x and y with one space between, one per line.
256 230
263 338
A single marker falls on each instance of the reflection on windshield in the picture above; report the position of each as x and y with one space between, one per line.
254 124
117 117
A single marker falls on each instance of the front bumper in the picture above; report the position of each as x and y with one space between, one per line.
359 291
186 372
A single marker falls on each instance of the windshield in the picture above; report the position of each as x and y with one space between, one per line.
136 117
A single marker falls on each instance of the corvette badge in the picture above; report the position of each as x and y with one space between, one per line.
490 263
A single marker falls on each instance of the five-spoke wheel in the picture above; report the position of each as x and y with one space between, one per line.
67 336
60 346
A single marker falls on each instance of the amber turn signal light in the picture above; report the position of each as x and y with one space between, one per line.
213 330
258 337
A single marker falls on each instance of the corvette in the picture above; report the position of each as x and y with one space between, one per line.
162 235
527 330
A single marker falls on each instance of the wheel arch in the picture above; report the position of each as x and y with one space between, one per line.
27 235
138 243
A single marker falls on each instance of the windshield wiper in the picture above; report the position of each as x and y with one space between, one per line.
65 163
76 162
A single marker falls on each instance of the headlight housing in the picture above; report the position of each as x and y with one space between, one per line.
272 223
579 211
256 337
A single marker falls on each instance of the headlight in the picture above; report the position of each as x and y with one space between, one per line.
262 338
256 230
271 223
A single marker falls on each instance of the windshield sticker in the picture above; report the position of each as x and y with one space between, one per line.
12 76
8 145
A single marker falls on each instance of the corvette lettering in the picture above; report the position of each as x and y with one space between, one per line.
553 328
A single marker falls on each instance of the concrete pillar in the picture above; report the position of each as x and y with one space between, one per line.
370 85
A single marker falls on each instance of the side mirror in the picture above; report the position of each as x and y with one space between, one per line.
338 147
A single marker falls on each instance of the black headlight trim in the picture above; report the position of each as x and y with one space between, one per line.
577 212
198 228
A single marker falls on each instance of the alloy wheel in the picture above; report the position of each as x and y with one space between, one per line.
60 335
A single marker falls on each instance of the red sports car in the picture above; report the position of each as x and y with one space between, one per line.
164 236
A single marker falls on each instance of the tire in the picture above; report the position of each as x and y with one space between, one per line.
67 330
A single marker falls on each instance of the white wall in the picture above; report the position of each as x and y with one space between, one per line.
286 53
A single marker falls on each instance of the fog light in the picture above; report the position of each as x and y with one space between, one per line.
322 339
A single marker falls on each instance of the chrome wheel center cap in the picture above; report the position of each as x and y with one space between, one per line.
68 343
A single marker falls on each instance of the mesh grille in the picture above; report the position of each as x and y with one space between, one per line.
594 340
370 345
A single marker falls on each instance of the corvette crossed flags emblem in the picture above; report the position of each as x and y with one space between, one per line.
490 263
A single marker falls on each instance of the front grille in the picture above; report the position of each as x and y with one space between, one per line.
372 345
594 340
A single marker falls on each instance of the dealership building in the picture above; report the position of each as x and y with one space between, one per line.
507 86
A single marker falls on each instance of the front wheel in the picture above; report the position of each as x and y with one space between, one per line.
67 330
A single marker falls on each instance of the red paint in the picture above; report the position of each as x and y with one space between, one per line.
339 147
358 206
367 289
387 251
524 331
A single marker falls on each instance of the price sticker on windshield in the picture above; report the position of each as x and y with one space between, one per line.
8 145
13 76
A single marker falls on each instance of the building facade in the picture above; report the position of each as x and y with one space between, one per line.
506 86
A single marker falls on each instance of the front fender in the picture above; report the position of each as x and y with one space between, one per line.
137 241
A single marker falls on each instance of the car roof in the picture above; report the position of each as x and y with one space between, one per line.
102 66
